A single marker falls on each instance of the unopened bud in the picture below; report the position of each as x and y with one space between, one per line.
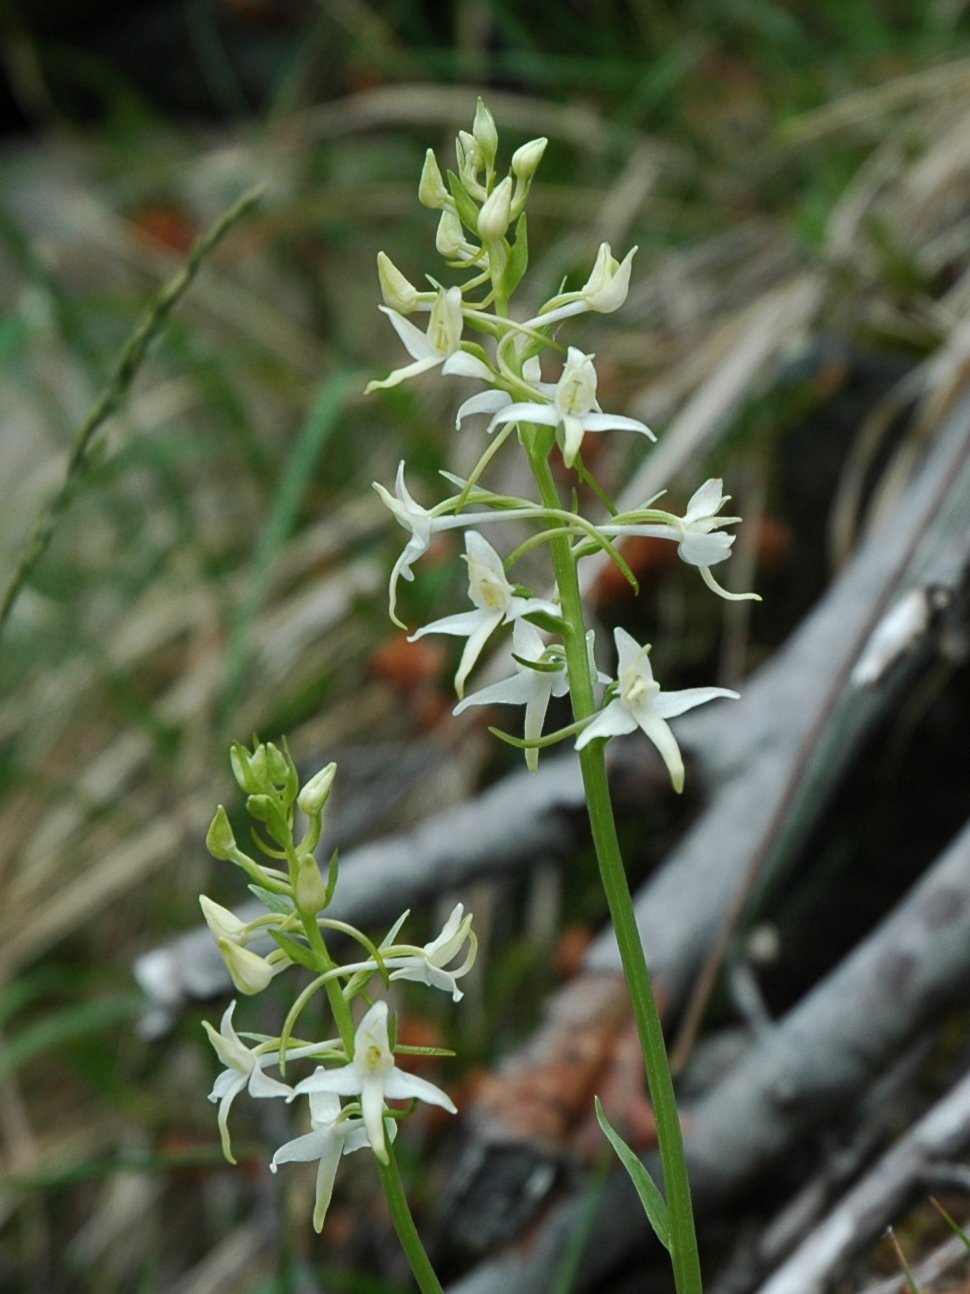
607 286
279 764
250 973
450 238
316 793
310 892
223 923
398 292
219 840
431 187
249 768
525 160
493 219
469 154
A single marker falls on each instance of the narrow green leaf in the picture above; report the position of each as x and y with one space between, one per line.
654 1204
296 952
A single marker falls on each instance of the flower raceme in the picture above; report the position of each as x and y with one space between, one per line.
639 703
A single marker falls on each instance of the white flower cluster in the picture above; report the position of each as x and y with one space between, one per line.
356 1074
477 213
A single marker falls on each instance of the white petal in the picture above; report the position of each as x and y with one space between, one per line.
546 414
614 422
473 648
705 501
614 721
705 550
631 656
461 364
261 1084
663 738
414 340
510 691
484 402
401 1086
462 625
303 1150
402 374
344 1081
670 704
372 1107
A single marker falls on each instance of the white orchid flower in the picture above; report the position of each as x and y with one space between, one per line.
422 524
330 1138
373 1077
427 965
440 345
244 1067
533 688
495 600
700 540
604 291
573 408
639 703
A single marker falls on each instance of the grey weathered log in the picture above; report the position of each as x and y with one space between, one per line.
875 1201
795 1081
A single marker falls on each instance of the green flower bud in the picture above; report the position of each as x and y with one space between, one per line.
317 791
310 892
219 840
493 219
280 766
266 809
432 192
485 134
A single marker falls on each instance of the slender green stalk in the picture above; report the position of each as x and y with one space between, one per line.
407 1232
592 758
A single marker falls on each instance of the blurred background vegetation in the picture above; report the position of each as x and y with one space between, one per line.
796 177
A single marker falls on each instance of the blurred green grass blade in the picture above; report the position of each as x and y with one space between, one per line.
316 431
66 1025
114 393
654 1204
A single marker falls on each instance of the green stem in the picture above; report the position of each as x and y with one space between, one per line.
592 758
407 1232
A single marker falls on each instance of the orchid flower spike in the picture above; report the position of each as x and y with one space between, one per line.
573 408
373 1077
440 345
639 703
495 600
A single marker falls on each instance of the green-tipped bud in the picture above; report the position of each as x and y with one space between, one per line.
310 892
316 793
525 160
219 840
450 238
223 923
493 219
280 765
250 973
486 134
398 292
431 187
266 809
249 768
